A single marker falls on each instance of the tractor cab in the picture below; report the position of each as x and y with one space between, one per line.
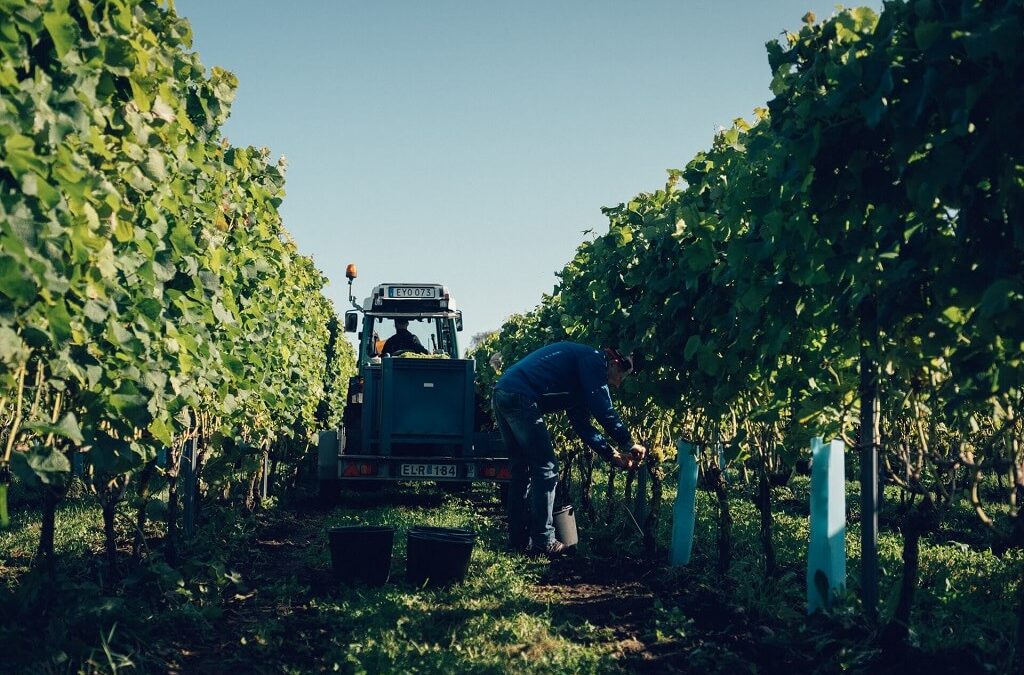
428 309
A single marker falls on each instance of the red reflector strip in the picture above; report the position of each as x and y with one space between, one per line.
368 469
488 472
350 470
505 472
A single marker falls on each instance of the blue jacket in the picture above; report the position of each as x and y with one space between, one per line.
574 378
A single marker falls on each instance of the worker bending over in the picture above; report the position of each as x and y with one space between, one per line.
563 376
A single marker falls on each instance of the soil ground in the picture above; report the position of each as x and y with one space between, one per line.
614 600
645 617
257 594
642 615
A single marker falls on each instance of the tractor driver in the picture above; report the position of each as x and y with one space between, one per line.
402 340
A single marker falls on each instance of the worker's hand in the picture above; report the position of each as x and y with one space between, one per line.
622 461
638 452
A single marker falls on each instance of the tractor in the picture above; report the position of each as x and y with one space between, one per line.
409 416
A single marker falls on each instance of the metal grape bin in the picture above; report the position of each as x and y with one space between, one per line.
422 401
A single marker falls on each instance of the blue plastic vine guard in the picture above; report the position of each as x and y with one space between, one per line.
684 511
826 553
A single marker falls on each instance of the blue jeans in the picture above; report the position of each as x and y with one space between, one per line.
531 492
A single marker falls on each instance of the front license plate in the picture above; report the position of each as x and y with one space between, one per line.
429 471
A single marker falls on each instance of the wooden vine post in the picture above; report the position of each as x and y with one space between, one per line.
189 484
640 499
870 441
265 474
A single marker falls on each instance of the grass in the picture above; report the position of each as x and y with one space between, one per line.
484 625
256 593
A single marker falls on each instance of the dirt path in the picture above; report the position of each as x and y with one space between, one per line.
621 600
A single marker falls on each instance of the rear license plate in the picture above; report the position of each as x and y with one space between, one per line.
429 471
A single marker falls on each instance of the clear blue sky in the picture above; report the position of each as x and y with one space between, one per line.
470 142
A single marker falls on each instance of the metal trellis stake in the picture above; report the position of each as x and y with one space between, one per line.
188 486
